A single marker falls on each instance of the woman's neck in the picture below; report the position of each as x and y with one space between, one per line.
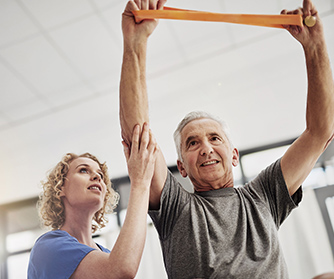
79 226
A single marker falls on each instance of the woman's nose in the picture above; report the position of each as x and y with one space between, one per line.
96 176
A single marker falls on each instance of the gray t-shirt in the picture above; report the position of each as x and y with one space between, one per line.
225 233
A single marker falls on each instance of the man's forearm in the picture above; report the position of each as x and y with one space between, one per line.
133 91
320 100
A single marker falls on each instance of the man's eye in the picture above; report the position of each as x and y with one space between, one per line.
192 143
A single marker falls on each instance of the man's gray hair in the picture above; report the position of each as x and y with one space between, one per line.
193 116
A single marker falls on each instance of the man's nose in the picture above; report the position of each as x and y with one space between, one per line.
206 148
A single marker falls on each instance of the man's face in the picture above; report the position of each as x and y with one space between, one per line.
207 155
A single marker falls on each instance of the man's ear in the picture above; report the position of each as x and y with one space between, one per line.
235 157
181 169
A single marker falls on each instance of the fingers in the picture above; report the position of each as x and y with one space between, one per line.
161 4
130 6
308 8
141 160
284 12
144 4
135 139
309 34
150 4
293 29
145 137
138 3
154 4
141 140
147 140
294 12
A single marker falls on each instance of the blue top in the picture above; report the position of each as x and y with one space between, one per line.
57 254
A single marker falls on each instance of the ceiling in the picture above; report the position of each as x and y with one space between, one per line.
60 65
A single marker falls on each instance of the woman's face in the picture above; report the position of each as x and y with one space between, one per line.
84 186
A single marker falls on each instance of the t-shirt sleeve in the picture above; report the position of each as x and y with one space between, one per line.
270 187
172 201
56 255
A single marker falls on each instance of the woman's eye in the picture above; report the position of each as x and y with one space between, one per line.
83 170
101 175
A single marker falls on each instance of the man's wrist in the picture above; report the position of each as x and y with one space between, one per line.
135 47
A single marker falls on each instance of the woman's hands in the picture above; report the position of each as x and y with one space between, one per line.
142 156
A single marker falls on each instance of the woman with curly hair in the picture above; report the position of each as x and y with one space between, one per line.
76 197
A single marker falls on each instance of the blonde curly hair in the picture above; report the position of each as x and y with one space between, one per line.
50 205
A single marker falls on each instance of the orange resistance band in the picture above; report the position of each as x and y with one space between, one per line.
259 20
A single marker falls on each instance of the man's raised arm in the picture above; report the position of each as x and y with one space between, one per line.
301 157
133 92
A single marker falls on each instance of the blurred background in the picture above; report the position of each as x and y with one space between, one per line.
60 66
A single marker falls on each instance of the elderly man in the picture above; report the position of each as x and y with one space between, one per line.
220 231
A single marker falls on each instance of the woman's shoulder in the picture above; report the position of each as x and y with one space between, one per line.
54 236
54 249
60 239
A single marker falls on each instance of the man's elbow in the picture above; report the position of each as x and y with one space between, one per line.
329 141
322 128
327 133
323 135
